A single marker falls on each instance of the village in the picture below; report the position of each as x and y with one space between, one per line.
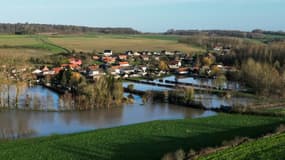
138 65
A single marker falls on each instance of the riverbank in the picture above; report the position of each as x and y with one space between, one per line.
141 141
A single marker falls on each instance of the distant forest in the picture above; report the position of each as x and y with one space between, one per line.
26 28
257 33
29 28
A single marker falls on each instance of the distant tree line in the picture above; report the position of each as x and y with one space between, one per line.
238 50
255 34
26 28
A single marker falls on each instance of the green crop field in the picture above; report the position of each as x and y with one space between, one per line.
279 110
265 148
121 43
28 42
141 141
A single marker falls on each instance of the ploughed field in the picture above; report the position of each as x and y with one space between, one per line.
141 141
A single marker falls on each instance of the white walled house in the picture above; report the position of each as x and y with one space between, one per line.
124 64
174 64
108 53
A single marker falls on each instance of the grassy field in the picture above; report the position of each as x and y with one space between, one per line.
141 141
121 43
28 42
279 110
266 148
20 55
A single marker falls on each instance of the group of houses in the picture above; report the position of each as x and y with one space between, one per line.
126 65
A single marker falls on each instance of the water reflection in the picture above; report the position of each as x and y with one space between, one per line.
203 81
208 100
145 87
47 123
215 101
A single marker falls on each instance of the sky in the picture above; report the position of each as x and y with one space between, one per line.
150 15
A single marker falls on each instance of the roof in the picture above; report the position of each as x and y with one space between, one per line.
107 50
183 69
124 63
93 67
57 70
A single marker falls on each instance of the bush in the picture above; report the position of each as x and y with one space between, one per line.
131 87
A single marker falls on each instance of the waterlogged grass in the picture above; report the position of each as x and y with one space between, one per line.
142 141
265 148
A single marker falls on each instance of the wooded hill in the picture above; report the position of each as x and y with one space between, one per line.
26 28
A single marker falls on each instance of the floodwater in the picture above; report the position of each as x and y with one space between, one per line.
208 100
146 87
205 81
23 124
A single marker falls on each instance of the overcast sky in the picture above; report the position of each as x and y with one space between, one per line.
150 15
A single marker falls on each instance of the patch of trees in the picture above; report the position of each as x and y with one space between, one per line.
263 78
212 41
280 33
106 91
26 28
238 50
273 53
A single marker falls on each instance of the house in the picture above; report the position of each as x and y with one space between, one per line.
167 53
96 58
124 64
51 72
195 69
45 69
71 66
137 54
156 53
143 68
218 48
37 71
108 53
127 70
93 70
145 57
75 61
74 66
93 73
57 70
129 53
93 67
174 64
122 57
182 70
109 60
178 53
115 70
